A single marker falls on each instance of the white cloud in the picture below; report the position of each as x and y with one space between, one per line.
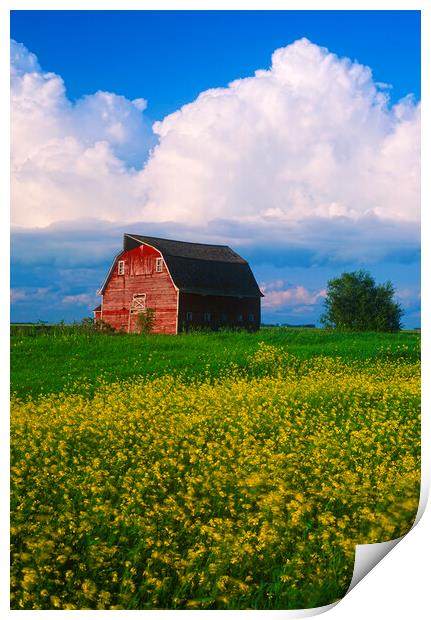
307 147
22 61
16 295
71 161
82 299
277 296
310 137
27 293
409 297
140 104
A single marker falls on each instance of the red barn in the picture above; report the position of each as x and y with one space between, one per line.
185 284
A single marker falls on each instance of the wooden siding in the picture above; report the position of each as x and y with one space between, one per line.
140 277
224 312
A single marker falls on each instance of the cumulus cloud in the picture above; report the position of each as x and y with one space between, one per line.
71 160
311 138
16 295
82 299
409 297
305 163
277 295
29 293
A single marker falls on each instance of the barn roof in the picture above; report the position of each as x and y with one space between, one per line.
202 268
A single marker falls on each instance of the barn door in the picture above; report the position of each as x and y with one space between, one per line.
137 305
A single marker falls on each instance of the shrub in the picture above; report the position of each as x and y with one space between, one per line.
145 321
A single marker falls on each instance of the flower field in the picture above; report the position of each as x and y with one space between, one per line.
242 489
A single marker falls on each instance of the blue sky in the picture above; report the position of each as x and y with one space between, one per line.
172 56
308 168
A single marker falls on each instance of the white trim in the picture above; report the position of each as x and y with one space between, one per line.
110 271
165 263
159 264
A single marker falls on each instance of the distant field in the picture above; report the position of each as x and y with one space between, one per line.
50 362
207 471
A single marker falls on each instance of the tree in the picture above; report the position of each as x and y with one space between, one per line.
355 302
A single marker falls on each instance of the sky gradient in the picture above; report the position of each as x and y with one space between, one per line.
292 136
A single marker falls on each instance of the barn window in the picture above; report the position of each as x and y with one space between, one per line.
207 317
189 316
240 317
159 265
251 317
223 317
121 268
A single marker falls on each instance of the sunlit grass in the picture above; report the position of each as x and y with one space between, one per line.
52 362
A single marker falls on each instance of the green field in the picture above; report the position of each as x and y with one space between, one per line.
207 471
52 362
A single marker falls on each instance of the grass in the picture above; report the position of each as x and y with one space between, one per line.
46 363
207 471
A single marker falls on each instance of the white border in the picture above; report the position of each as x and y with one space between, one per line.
399 585
247 5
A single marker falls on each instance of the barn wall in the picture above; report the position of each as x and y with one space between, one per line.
140 276
224 312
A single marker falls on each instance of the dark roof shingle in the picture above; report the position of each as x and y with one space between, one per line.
202 268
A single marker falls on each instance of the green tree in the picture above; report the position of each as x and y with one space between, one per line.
355 302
